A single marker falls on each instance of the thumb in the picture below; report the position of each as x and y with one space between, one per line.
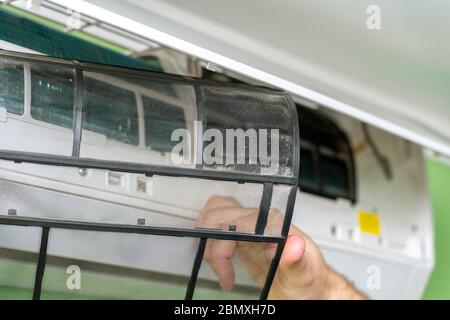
293 252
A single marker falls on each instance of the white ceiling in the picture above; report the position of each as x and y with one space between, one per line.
397 78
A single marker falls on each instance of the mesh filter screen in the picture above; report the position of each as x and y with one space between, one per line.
121 198
129 119
249 274
119 266
52 95
111 111
18 257
121 159
258 116
39 102
12 86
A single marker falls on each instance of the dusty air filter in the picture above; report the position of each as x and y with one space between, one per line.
111 159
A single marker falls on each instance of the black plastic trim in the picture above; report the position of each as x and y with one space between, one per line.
40 268
195 269
264 208
150 230
67 161
78 112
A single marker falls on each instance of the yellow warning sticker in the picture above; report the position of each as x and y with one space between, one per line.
369 222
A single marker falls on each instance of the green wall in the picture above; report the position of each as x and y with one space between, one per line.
439 184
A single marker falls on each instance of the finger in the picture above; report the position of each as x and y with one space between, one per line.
293 252
221 218
245 220
222 251
208 250
301 266
275 222
255 261
254 256
215 202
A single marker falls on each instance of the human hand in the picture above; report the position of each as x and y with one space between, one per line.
302 272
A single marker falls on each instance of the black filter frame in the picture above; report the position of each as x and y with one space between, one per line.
268 181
